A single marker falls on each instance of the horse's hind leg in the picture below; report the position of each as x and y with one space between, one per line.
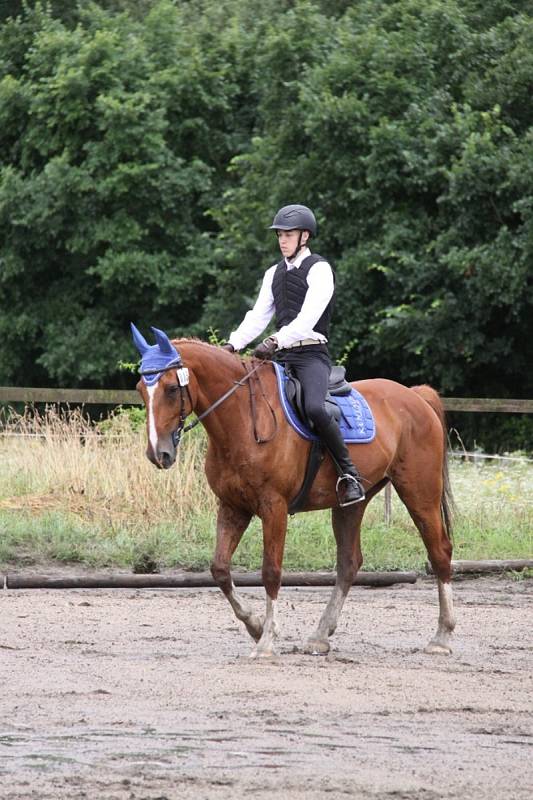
441 641
424 507
231 524
347 528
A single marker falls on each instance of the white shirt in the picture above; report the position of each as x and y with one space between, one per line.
319 293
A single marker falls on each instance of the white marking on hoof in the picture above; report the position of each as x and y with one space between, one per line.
257 654
265 646
316 647
437 649
440 644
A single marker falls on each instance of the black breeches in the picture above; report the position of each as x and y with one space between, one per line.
311 365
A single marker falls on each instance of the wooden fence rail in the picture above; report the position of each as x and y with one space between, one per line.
116 397
112 397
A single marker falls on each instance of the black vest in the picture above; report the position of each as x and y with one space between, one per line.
289 287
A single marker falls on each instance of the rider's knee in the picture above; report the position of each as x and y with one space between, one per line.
318 415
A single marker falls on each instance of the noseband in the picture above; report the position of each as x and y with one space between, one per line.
183 382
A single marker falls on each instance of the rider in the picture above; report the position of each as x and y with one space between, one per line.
300 291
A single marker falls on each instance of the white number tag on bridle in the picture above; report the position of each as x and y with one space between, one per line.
183 376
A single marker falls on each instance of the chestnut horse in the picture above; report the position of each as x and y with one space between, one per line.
256 462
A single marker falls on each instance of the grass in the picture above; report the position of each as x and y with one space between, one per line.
73 492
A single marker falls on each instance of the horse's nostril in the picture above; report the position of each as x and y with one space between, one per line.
165 459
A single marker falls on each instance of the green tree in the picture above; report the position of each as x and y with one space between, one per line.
115 136
409 134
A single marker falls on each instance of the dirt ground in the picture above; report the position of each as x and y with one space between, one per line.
136 694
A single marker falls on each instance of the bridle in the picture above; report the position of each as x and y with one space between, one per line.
182 374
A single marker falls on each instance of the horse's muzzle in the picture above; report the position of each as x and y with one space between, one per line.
163 459
166 460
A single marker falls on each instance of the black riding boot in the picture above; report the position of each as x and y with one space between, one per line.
349 487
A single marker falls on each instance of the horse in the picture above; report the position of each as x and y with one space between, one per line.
256 461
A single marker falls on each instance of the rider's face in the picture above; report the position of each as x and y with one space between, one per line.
288 241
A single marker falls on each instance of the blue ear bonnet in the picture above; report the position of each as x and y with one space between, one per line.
155 358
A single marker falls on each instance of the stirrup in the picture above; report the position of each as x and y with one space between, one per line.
348 477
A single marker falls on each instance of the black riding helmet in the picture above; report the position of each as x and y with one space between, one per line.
294 218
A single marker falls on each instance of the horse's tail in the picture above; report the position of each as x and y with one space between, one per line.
446 504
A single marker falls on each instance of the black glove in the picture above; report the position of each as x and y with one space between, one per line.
267 348
229 347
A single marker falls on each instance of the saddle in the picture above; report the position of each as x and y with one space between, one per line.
345 404
338 386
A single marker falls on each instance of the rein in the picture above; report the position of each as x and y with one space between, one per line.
183 381
259 439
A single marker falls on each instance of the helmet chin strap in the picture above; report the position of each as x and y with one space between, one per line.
298 246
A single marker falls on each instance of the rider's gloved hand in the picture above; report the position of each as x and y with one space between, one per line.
229 347
267 348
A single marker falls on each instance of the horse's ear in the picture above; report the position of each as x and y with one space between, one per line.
163 341
138 339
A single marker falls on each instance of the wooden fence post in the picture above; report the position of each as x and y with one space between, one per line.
388 504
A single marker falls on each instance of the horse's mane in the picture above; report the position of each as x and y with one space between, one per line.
191 340
212 347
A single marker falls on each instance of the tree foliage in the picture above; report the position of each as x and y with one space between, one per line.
115 137
410 137
144 148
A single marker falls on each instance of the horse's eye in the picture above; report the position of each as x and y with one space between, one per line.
172 389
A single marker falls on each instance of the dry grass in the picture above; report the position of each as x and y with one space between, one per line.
74 491
62 461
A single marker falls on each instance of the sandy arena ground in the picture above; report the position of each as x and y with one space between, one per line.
149 694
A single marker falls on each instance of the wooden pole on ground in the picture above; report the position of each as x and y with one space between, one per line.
482 567
196 580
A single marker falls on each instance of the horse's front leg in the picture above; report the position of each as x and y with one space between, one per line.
347 527
231 524
274 520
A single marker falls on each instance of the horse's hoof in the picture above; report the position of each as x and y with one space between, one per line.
437 649
316 647
261 654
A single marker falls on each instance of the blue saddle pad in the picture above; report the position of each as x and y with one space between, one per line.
357 422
